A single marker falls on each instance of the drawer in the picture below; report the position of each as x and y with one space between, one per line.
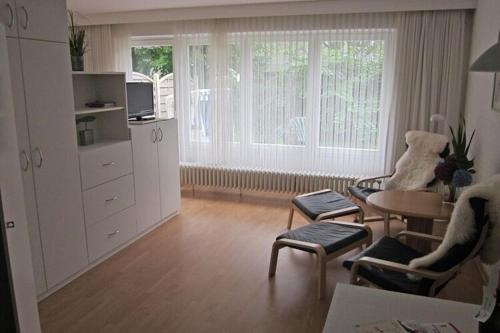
107 199
111 233
106 163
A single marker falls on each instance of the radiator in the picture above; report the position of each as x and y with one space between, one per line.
262 180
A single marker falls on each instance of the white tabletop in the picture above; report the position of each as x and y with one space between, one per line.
358 305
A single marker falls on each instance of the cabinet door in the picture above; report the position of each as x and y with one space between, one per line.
51 123
42 19
147 188
168 155
25 163
8 17
12 202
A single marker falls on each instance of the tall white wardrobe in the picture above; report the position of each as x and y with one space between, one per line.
43 100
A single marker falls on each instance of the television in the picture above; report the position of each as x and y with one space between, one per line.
140 99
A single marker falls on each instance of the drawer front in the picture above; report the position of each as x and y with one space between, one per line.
111 233
107 199
107 163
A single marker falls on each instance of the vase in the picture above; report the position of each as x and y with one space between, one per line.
452 193
77 63
492 325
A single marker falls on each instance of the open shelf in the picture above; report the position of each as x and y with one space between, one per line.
83 111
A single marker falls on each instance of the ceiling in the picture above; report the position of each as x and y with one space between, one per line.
109 6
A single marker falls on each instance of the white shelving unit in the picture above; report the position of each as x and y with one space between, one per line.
87 110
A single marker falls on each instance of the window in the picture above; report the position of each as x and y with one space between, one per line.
310 101
152 61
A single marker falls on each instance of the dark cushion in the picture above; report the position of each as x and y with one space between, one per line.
316 204
331 236
361 192
390 249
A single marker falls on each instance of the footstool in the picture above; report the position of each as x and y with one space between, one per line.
322 205
327 239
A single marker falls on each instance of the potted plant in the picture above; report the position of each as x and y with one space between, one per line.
77 44
456 169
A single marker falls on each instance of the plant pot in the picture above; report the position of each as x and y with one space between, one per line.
77 63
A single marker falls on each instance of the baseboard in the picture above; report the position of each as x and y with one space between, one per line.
73 277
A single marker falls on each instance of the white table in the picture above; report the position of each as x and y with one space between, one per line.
356 305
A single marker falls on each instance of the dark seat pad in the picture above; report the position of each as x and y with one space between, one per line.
316 204
331 236
361 192
390 249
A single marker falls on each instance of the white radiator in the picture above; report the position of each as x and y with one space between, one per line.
261 180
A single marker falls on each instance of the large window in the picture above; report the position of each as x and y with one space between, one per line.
310 101
152 61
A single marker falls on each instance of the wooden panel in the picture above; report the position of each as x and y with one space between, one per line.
45 20
49 99
107 199
147 188
105 163
168 156
26 165
112 232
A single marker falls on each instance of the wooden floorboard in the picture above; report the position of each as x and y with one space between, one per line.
206 271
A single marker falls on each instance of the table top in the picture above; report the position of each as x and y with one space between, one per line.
427 205
353 305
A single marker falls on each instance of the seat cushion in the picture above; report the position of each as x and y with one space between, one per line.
316 204
361 192
331 236
390 249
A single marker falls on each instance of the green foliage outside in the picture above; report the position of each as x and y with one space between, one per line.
152 60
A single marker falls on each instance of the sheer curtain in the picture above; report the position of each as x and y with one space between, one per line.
304 93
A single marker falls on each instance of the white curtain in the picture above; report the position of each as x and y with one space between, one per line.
305 93
108 49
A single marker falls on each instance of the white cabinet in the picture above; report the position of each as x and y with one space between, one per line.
26 165
42 19
8 17
168 160
49 104
146 175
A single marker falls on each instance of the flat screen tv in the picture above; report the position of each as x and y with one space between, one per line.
140 99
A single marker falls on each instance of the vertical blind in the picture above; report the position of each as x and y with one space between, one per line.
289 94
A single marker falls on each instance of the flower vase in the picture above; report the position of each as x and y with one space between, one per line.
452 193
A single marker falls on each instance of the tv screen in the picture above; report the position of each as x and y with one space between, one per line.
140 99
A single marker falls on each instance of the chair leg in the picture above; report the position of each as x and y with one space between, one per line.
290 219
387 227
361 216
321 275
354 274
274 259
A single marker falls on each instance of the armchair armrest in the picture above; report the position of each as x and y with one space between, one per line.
362 180
419 235
314 193
393 266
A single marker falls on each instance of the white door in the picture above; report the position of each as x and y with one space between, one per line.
42 19
25 163
51 123
13 203
147 187
8 17
168 155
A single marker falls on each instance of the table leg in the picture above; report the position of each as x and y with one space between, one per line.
423 226
387 224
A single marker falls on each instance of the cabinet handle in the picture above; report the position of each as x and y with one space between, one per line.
154 135
107 164
161 134
11 13
111 199
26 18
27 161
111 234
40 161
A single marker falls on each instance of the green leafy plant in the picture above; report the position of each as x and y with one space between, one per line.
461 146
77 43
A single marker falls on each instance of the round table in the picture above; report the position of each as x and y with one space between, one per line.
419 208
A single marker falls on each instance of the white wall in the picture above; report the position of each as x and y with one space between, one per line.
478 112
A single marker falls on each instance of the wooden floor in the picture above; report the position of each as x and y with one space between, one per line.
206 271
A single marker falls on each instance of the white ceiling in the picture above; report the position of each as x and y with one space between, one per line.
109 6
